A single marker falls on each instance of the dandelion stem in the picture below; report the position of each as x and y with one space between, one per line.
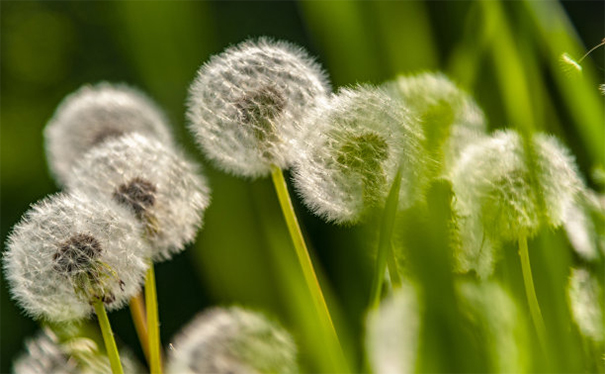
384 243
153 325
110 343
137 310
302 253
530 291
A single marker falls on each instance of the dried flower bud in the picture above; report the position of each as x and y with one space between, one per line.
585 296
159 184
93 114
493 181
69 250
247 105
46 354
450 117
232 340
392 333
359 139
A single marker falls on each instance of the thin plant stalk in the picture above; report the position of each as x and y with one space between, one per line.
153 325
110 343
137 310
532 300
385 252
302 253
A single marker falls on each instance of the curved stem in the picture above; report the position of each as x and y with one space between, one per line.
110 343
385 252
155 362
137 310
534 307
302 253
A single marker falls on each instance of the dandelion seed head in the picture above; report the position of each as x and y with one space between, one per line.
247 105
94 114
157 183
493 181
490 310
602 89
585 297
354 148
68 250
46 354
392 333
451 119
232 340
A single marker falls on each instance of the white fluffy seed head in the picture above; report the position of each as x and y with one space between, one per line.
94 114
232 340
450 117
357 143
494 182
498 322
162 188
584 225
247 105
585 297
46 354
69 250
392 333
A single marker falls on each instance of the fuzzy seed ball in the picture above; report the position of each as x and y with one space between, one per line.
500 199
232 340
357 142
94 114
46 354
449 116
69 250
164 190
585 297
392 332
247 105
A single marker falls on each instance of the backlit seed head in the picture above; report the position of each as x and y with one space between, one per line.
69 250
159 184
94 114
356 143
584 225
499 325
493 181
392 332
450 117
585 297
247 105
232 340
47 354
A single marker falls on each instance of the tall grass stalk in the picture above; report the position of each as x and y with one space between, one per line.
385 251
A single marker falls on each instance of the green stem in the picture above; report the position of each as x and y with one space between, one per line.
153 325
384 244
534 307
137 310
302 253
393 269
110 343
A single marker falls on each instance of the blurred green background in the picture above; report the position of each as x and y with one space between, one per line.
505 53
